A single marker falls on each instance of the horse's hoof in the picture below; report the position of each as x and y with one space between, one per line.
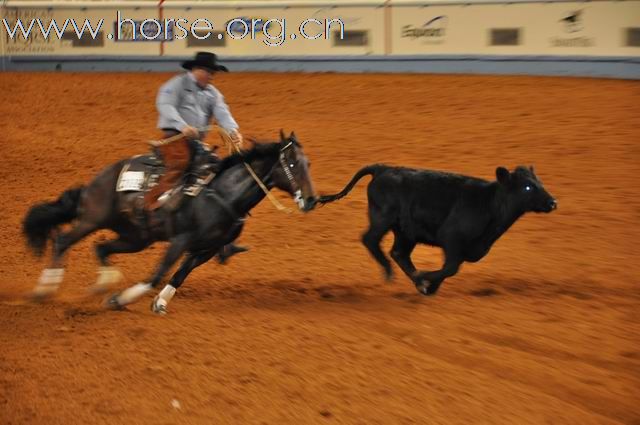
388 276
229 251
113 304
157 307
99 289
107 277
40 297
42 293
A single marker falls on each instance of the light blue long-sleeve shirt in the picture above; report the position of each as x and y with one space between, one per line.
182 102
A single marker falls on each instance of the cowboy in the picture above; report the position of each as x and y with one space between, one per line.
186 103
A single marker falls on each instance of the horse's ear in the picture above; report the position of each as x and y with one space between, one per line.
282 136
292 136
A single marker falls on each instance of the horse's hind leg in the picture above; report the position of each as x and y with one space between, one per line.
51 278
107 274
378 227
178 247
159 304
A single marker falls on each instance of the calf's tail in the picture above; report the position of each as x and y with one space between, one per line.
370 170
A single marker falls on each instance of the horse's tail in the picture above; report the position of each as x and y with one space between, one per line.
42 218
372 170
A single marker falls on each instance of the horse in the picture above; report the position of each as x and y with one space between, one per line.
199 228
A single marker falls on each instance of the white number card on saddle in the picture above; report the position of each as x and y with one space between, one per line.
130 181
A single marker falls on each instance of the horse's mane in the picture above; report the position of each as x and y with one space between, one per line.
259 150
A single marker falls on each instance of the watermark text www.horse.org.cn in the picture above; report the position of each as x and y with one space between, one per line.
274 30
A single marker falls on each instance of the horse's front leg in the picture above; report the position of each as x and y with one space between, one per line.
231 249
160 302
178 246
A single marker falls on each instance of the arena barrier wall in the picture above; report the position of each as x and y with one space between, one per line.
594 38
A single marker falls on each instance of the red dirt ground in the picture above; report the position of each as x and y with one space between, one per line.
303 329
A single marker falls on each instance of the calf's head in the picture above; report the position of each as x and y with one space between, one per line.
525 190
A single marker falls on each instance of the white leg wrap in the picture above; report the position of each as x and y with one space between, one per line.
108 276
51 277
132 293
48 283
160 302
167 293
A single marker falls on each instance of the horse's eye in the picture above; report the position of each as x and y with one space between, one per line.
528 188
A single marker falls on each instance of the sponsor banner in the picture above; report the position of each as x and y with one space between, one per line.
591 28
553 28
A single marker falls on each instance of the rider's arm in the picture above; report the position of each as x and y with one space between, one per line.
167 102
222 114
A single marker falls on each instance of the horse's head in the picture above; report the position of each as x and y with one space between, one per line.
292 174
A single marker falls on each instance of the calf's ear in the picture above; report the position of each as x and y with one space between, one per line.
503 175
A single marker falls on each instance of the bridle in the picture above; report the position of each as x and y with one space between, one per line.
292 181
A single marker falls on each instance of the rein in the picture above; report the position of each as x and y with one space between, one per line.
226 138
224 135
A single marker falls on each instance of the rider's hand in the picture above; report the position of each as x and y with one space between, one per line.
237 138
190 132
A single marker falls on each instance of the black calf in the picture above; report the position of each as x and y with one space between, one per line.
462 215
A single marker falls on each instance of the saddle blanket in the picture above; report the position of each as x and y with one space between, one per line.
136 181
130 181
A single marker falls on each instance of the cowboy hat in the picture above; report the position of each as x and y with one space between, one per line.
204 60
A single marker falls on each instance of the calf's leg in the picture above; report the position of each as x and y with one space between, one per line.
401 253
428 283
378 227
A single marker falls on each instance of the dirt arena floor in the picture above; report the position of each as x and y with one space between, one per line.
303 329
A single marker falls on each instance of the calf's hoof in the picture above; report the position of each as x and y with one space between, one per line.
427 288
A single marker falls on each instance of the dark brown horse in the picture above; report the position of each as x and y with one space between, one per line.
200 227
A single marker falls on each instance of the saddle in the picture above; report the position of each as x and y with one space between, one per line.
141 173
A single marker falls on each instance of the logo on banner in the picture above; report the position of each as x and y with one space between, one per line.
572 23
431 32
